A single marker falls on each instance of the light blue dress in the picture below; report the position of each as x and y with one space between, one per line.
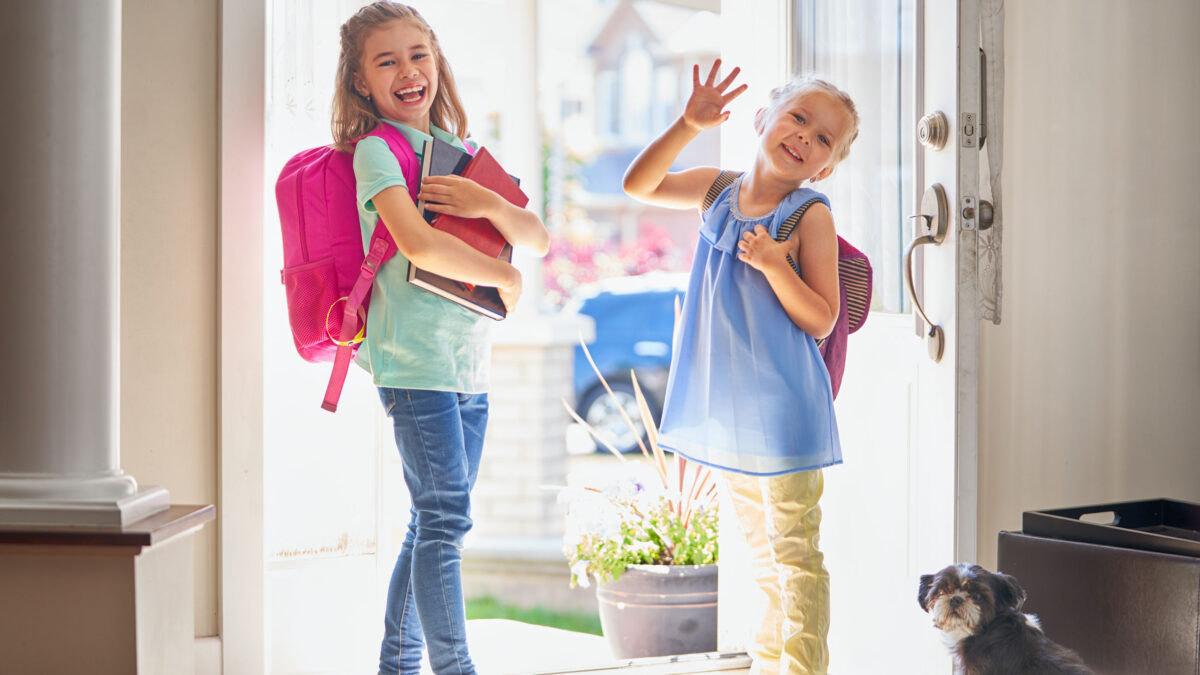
748 390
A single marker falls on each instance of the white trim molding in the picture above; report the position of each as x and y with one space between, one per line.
240 457
207 655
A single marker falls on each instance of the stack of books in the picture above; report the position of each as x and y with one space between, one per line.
442 159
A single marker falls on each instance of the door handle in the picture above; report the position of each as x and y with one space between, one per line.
935 212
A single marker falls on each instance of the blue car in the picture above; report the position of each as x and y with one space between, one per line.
635 319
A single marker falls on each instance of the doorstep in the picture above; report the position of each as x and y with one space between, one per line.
504 647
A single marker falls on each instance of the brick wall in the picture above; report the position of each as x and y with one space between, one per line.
515 550
524 451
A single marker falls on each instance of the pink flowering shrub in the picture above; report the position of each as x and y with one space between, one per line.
573 263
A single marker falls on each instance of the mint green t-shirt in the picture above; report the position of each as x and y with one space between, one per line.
415 339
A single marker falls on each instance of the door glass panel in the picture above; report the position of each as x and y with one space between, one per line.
874 528
866 48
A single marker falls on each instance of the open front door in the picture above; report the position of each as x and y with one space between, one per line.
944 285
905 501
947 410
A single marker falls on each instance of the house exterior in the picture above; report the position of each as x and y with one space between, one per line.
633 81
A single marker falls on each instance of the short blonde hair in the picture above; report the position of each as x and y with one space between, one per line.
807 83
355 115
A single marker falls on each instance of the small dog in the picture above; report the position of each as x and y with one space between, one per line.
978 613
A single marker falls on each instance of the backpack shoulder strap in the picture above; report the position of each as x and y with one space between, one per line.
854 269
722 181
788 226
398 144
380 249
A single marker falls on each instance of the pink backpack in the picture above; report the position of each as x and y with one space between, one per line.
326 276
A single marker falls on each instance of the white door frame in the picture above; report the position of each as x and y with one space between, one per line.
966 528
765 60
956 304
242 73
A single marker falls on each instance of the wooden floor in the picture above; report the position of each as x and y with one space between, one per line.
502 647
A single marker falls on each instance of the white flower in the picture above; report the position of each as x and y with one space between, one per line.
579 569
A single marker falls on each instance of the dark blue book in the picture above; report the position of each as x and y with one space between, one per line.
440 159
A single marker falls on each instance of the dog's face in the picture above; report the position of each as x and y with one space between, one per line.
964 598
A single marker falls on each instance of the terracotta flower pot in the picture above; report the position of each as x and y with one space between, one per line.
660 610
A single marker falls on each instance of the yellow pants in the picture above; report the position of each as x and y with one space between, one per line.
780 519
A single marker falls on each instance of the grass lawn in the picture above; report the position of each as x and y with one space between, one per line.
489 608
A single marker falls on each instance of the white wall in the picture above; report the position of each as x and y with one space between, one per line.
1090 388
169 262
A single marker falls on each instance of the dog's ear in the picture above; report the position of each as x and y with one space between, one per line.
923 590
1008 592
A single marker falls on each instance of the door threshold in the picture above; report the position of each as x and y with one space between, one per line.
508 647
709 662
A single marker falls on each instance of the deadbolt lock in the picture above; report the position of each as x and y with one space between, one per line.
934 130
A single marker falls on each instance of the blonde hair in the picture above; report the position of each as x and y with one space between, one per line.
806 83
354 114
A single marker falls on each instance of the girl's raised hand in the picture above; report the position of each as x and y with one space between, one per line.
706 106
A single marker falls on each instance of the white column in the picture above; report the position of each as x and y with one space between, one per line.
765 63
59 243
521 136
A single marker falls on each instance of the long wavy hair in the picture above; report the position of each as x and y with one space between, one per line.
354 114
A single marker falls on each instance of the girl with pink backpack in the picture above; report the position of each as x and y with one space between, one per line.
429 357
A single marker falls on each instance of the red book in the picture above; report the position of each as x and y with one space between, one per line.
481 234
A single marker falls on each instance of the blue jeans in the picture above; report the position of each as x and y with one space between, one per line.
440 438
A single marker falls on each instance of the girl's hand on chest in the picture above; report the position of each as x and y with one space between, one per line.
760 250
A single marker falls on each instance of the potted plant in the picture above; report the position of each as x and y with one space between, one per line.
650 546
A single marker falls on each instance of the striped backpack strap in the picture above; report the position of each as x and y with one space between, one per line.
854 269
723 180
788 226
854 274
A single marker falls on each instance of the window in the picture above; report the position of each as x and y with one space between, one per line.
666 85
608 104
866 48
636 82
629 64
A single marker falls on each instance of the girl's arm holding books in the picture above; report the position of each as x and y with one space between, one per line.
463 197
811 302
443 253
